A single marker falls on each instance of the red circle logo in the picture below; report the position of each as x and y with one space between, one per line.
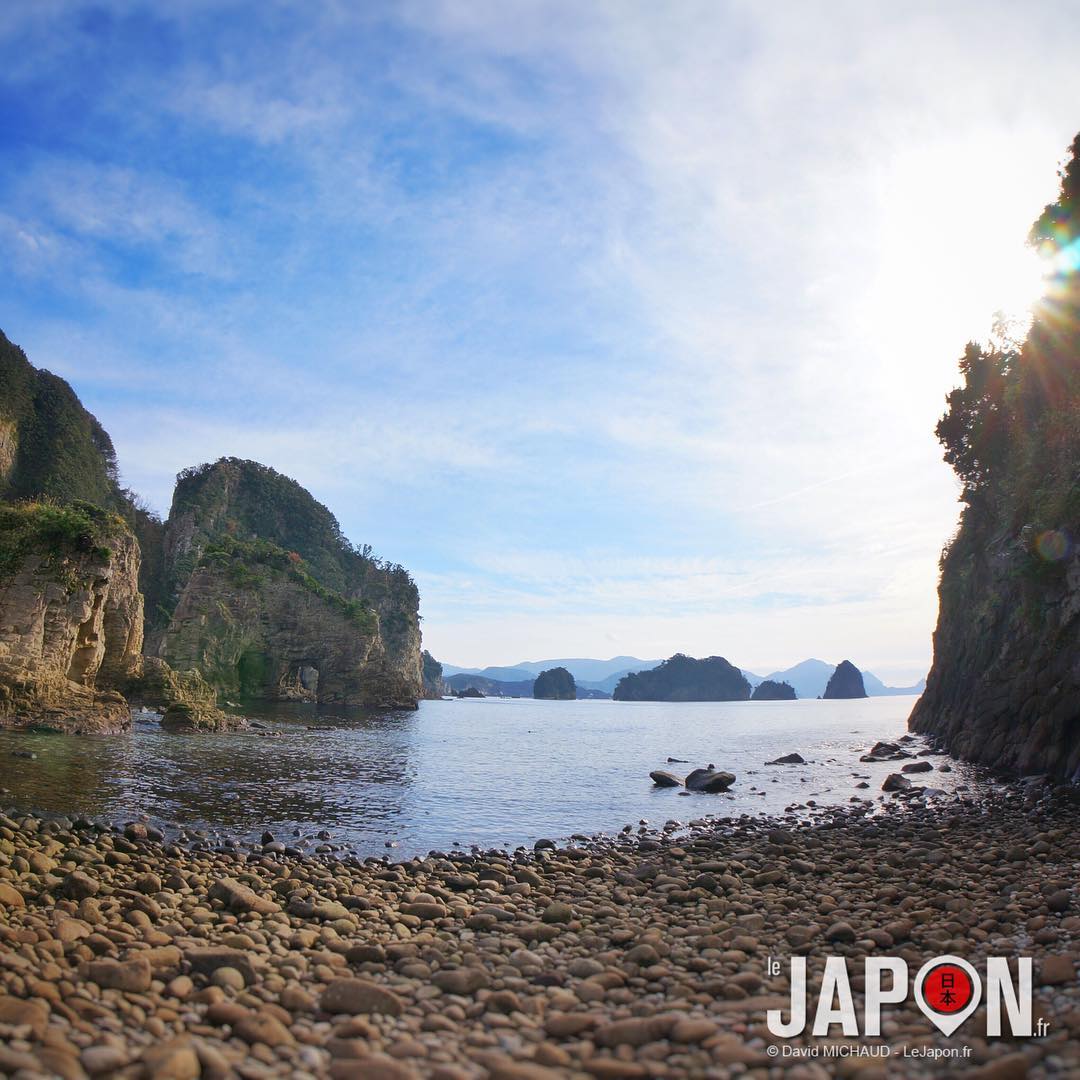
947 989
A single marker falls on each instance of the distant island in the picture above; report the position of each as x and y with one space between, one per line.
555 684
598 678
768 690
683 678
846 682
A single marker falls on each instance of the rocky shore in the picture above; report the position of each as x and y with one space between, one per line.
122 955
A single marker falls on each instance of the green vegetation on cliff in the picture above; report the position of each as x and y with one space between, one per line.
53 528
50 446
683 678
1004 687
236 500
555 684
249 561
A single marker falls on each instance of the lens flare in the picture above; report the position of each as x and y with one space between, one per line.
1053 545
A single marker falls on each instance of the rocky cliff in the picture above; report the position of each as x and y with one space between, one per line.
1005 685
269 600
256 625
70 617
249 587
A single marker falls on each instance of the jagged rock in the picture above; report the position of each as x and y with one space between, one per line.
845 682
788 759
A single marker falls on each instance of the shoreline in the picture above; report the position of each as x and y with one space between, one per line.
634 956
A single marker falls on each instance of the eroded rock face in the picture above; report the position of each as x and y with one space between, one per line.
70 630
1005 686
273 639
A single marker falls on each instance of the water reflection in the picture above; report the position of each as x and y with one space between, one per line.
489 772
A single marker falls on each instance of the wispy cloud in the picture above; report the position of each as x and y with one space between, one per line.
613 321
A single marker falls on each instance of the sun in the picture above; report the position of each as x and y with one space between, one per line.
952 258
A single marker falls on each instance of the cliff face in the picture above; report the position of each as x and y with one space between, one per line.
70 618
1005 685
255 629
249 587
270 601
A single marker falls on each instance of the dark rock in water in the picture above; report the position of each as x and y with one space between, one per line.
880 749
886 751
845 682
896 782
469 691
788 759
29 755
676 760
664 779
709 780
917 766
769 690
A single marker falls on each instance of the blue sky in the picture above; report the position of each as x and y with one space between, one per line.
624 326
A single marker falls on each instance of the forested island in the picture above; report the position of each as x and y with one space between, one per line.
684 678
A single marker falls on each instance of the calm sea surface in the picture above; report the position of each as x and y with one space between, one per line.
486 772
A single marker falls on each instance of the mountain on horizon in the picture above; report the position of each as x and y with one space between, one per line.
809 678
602 675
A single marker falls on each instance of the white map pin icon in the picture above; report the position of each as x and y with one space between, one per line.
946 1021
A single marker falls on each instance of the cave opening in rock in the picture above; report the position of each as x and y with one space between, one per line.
251 673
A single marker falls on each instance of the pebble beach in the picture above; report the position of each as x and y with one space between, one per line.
124 955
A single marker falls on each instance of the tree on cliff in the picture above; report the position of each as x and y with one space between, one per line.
1019 401
555 684
683 678
1008 578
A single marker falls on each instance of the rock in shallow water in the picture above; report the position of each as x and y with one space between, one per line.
709 780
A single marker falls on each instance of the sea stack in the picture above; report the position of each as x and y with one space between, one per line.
845 682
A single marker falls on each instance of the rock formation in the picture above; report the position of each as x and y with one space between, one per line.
269 600
845 682
70 617
431 671
1005 685
773 691
256 626
682 678
252 586
555 684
